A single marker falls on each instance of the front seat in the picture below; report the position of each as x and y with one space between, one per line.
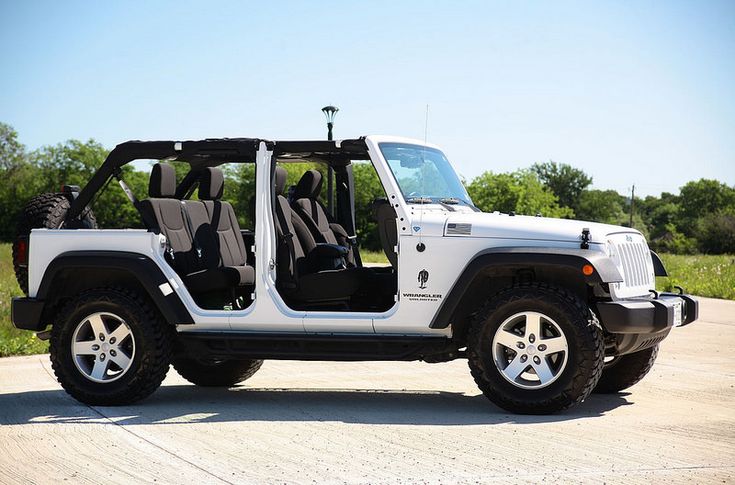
301 260
385 215
308 206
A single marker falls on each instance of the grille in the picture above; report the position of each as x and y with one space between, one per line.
459 229
634 261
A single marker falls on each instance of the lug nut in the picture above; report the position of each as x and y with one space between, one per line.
113 353
102 357
521 345
112 340
102 337
524 358
536 360
532 338
542 347
95 347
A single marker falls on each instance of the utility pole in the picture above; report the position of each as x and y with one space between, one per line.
632 203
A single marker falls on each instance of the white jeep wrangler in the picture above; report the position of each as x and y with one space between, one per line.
545 310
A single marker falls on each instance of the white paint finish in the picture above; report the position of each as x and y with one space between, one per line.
381 422
337 322
444 258
47 244
531 228
268 312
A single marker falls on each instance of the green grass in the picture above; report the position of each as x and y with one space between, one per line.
12 341
703 275
368 256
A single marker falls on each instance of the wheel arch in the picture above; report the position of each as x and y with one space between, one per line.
491 270
78 270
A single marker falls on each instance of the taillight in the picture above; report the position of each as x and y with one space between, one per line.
21 252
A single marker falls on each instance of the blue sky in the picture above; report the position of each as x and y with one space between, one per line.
632 92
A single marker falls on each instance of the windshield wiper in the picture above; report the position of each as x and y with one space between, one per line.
449 200
457 200
419 200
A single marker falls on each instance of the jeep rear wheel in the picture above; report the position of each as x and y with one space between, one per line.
109 347
535 349
216 373
624 371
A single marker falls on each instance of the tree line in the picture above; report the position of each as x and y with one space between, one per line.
700 218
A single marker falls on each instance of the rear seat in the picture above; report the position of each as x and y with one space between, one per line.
204 251
217 235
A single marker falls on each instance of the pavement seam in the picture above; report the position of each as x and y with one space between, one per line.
110 421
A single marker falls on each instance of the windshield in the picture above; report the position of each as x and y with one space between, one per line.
424 174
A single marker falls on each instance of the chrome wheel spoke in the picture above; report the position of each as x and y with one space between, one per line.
543 371
515 368
85 348
533 325
554 345
120 334
507 339
99 369
93 358
98 326
122 360
535 361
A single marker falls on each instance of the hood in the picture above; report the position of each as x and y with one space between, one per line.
497 225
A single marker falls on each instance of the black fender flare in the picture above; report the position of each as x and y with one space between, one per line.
141 267
605 270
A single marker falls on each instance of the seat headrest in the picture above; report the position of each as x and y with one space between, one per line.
211 184
162 183
310 185
280 180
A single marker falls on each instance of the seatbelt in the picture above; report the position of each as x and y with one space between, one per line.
191 230
150 224
287 238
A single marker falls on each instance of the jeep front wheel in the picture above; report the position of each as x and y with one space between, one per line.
624 371
216 373
109 347
535 349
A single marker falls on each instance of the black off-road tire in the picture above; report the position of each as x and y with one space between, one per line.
44 211
585 349
153 347
626 370
224 373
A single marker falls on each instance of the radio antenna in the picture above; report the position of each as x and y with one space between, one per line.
426 124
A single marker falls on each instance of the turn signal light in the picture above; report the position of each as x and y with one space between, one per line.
587 270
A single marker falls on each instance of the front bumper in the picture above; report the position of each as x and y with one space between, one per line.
26 313
647 316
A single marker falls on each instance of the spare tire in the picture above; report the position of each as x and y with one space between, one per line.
43 211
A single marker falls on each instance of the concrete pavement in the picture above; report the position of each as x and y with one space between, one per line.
297 422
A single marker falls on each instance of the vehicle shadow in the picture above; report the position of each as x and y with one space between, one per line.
181 404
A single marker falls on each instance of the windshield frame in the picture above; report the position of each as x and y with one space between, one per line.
444 172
